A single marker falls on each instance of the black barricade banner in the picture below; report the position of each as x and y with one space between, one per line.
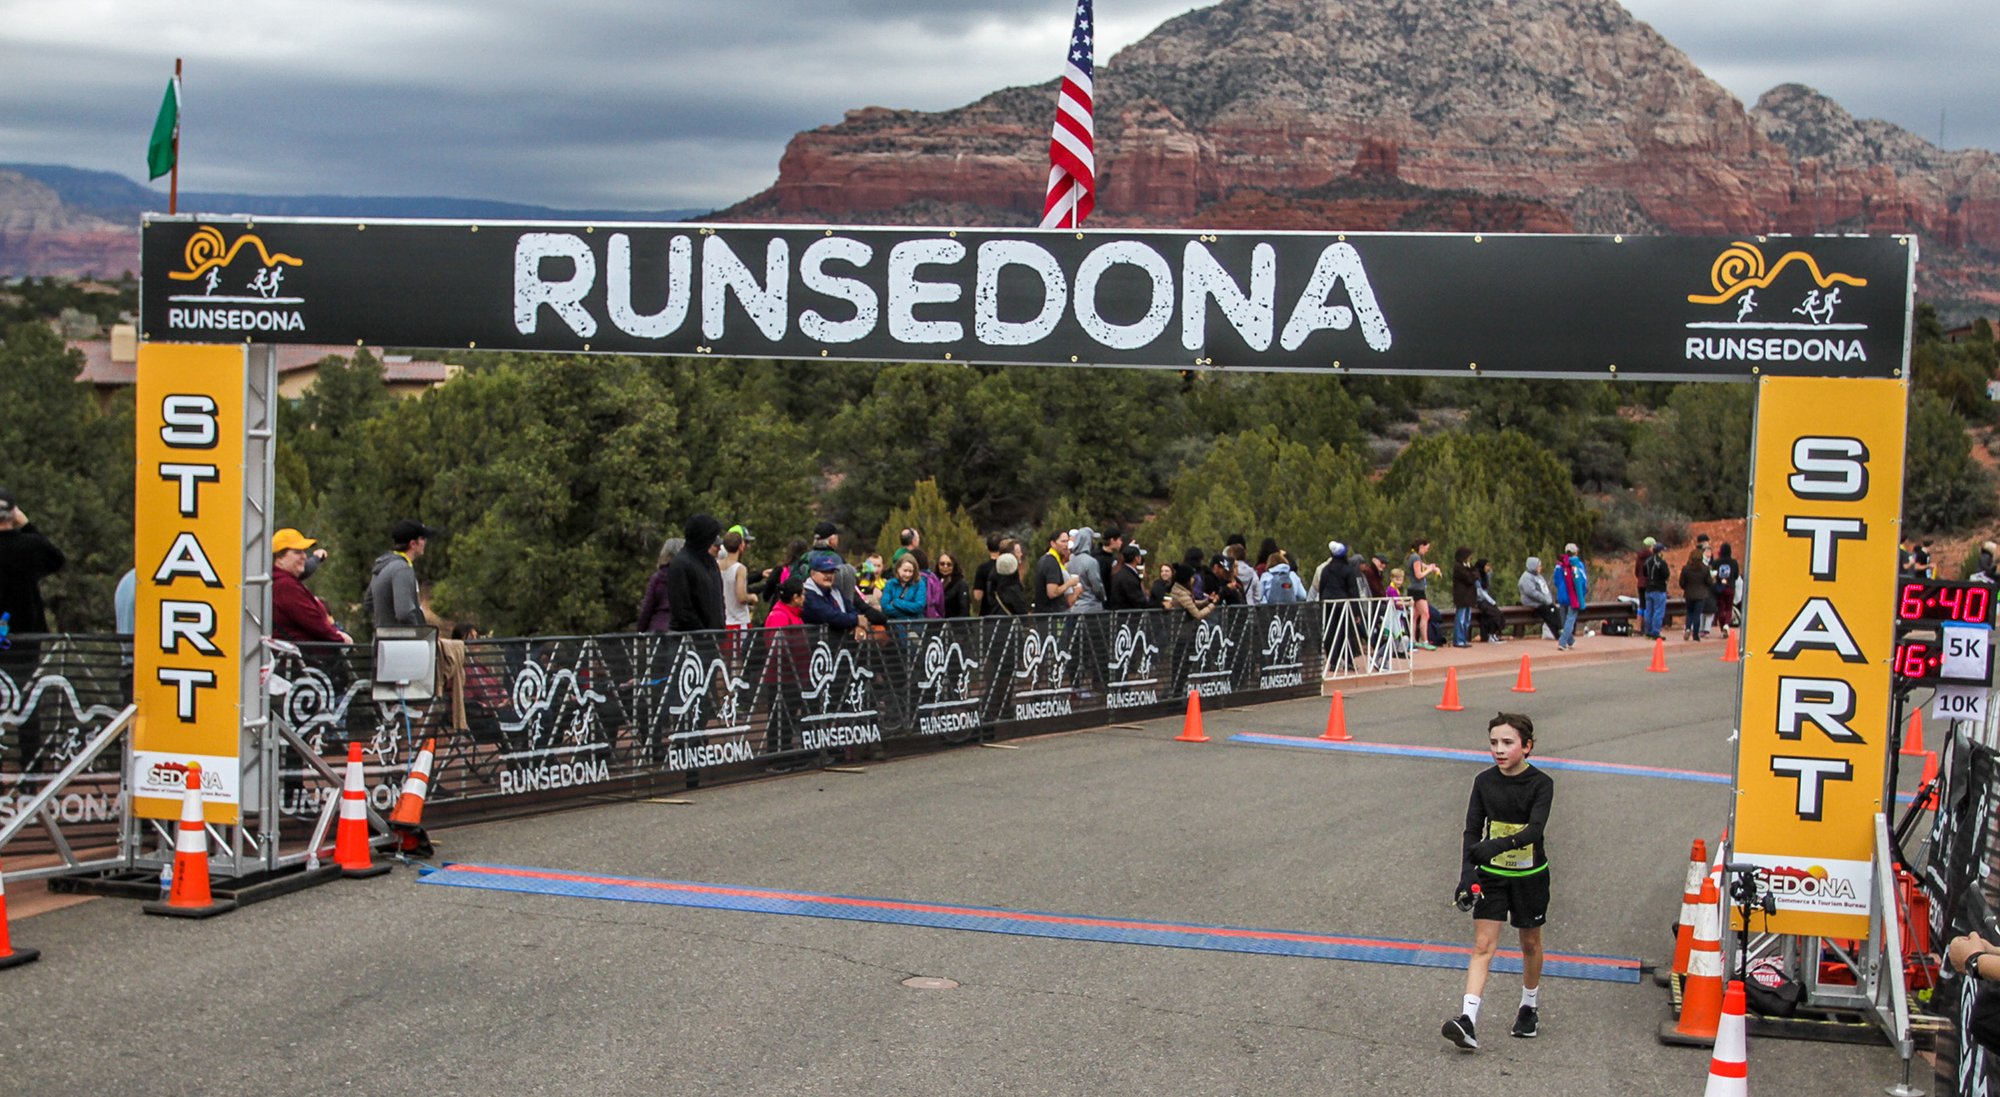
551 716
1595 306
56 694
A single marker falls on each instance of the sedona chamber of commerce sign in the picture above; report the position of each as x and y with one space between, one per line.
1605 306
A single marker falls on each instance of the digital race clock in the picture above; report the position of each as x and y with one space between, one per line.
1918 661
1939 601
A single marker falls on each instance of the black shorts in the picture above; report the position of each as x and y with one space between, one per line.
1520 900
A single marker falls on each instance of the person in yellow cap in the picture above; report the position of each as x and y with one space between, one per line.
297 615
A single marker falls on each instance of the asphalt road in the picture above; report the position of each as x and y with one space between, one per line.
392 987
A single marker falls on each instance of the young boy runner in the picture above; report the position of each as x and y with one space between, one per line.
1505 877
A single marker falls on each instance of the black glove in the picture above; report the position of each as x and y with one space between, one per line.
1482 852
1468 890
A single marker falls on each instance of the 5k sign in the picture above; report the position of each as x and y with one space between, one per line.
1811 760
189 542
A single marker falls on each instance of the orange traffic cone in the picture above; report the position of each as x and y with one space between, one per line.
1525 681
1930 780
1191 725
1729 1067
350 837
1450 702
1659 655
9 955
1690 896
408 817
1701 991
1336 721
1729 653
189 897
1913 738
410 807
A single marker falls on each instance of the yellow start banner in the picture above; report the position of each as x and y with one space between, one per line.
188 541
1819 634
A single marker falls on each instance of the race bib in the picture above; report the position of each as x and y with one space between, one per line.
1522 858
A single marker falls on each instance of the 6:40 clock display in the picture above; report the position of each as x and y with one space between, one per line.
1936 600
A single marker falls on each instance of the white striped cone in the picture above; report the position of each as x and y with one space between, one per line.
9 955
1690 896
1729 1067
350 837
1701 993
190 896
416 789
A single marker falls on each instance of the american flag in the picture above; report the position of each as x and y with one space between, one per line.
1072 143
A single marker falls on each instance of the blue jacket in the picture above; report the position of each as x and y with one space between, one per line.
905 602
822 608
1572 583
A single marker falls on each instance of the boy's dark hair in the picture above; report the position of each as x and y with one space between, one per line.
791 588
1516 721
993 542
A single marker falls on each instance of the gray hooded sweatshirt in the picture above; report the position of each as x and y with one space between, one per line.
392 592
1090 596
1535 590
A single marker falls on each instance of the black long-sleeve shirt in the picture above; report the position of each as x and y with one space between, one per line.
1507 816
26 558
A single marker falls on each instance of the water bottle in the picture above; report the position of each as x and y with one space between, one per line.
166 881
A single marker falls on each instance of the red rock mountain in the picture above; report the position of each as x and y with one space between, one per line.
39 235
1499 115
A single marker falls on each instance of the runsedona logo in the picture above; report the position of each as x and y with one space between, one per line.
253 305
1738 272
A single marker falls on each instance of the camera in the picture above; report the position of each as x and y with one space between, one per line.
1747 889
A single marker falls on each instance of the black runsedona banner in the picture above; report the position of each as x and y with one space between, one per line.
1599 306
533 719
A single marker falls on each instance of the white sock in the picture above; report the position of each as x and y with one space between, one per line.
1471 1010
1528 996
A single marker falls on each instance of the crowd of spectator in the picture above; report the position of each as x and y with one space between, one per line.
706 580
1083 570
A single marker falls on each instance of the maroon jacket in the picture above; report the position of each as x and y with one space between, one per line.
295 614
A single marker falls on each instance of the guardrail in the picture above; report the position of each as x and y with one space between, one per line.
531 720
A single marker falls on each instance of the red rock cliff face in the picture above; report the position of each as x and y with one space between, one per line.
40 236
1529 115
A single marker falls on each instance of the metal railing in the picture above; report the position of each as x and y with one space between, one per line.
1365 637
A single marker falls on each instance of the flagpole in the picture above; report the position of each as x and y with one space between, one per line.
174 185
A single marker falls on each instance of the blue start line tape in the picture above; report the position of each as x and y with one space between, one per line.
1124 931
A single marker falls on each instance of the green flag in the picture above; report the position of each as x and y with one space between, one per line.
160 151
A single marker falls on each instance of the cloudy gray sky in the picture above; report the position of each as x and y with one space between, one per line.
665 104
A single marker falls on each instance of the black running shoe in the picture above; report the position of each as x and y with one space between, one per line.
1527 1022
1459 1031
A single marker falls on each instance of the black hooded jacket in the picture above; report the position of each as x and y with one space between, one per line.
1340 579
694 582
